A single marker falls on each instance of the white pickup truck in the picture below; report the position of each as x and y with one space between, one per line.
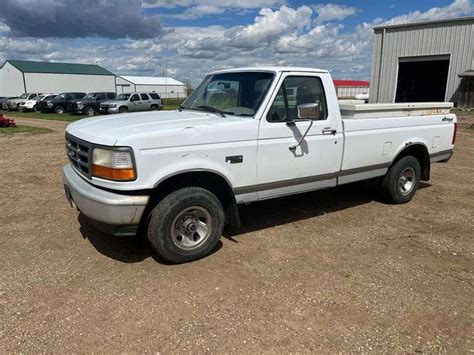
240 138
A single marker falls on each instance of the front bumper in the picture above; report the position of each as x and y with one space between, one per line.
100 205
107 110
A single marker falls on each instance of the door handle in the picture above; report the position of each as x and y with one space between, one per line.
328 131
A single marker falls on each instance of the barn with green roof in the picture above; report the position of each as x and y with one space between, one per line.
20 76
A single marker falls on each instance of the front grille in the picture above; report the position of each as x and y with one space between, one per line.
79 153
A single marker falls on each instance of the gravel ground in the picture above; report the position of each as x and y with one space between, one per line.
334 270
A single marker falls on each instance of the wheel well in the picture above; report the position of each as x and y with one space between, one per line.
420 152
121 107
208 180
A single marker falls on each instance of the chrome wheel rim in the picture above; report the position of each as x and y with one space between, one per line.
407 180
90 111
191 227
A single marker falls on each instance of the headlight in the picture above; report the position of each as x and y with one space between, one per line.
113 164
113 105
49 104
80 106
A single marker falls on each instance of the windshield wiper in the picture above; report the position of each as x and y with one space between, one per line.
212 109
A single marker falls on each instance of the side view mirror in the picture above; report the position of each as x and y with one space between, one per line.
309 111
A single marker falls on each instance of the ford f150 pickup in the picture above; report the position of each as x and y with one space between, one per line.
244 135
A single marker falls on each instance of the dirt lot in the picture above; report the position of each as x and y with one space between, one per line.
333 270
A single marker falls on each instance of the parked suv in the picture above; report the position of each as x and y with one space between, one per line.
132 102
31 105
90 104
14 104
60 102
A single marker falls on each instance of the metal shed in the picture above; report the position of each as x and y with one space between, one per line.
19 76
165 87
421 61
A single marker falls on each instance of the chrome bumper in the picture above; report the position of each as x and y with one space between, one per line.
100 205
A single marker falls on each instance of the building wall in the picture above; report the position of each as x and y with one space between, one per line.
351 91
11 81
57 83
454 38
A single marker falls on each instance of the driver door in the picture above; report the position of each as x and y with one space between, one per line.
283 168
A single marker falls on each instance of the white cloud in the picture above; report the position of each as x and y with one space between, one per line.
455 9
330 12
4 28
277 36
199 8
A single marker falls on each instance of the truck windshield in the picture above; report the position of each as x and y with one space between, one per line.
230 93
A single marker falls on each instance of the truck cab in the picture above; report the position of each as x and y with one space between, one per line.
244 135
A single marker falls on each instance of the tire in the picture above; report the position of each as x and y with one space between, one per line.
89 111
172 229
123 110
35 109
154 108
59 110
402 180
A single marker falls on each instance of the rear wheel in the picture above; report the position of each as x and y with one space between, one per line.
402 180
59 110
35 108
153 108
186 225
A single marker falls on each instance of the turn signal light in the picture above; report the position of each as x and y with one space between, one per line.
113 174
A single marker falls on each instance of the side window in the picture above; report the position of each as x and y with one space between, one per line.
296 91
144 97
32 96
134 97
100 97
155 96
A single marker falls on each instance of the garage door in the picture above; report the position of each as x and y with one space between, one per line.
422 79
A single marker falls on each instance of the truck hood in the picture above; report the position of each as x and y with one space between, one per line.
147 129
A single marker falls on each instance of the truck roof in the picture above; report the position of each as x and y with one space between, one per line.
275 69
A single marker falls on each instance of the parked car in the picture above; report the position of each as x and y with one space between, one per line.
60 102
14 104
181 174
3 101
31 105
132 102
90 104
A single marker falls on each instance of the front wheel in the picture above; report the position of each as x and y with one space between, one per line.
402 180
89 111
186 225
59 110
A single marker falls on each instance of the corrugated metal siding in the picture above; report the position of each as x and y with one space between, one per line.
391 44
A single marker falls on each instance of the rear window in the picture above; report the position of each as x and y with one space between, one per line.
155 96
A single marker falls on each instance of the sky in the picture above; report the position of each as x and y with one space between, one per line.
186 39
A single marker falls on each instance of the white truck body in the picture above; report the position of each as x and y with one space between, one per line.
253 156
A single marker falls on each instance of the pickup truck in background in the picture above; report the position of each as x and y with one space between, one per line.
244 135
60 103
90 104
